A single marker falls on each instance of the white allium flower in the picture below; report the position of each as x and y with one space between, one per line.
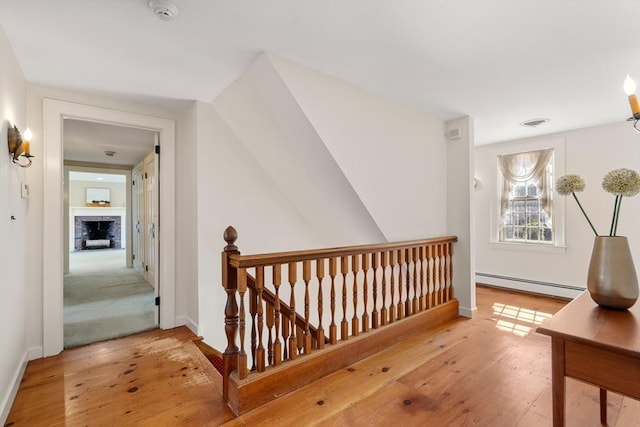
622 182
570 183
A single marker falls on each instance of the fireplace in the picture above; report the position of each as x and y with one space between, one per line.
97 232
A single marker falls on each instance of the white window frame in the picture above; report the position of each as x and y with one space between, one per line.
558 215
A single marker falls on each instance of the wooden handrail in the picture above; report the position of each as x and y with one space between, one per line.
353 291
248 261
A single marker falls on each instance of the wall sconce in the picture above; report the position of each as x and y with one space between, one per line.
19 148
630 90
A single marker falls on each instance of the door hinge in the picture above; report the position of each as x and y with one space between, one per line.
134 256
133 183
146 268
157 301
146 176
157 149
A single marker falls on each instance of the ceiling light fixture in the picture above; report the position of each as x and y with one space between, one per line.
534 122
630 89
109 153
163 9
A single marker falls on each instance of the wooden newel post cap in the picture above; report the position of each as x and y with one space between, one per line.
230 236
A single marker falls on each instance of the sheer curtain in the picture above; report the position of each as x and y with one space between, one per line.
522 167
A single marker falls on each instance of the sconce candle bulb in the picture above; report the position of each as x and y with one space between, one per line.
26 140
630 90
629 87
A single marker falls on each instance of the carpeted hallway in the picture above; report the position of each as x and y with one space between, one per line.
103 299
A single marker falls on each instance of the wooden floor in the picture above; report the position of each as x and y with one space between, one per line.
157 378
493 370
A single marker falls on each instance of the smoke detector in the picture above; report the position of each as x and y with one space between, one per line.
163 9
534 122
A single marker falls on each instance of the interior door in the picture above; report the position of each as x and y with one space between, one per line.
138 211
150 220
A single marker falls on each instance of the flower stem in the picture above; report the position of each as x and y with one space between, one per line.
585 214
615 229
613 219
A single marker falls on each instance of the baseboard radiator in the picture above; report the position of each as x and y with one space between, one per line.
529 285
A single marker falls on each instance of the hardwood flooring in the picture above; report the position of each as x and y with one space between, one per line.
493 370
157 378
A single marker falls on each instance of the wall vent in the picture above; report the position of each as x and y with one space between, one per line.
454 133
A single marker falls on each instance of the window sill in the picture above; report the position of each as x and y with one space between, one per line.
528 247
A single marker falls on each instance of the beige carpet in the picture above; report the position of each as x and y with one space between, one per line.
103 299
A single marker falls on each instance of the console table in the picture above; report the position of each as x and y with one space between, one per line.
594 345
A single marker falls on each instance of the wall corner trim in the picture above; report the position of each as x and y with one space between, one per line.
467 312
189 323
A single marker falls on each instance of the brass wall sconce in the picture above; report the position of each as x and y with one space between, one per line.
19 148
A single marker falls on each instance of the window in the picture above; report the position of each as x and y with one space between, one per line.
526 200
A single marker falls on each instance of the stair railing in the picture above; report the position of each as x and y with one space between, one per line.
334 295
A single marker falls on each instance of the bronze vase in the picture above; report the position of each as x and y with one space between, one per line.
612 280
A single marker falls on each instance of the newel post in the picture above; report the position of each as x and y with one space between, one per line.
231 321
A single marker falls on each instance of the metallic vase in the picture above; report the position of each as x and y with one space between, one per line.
612 280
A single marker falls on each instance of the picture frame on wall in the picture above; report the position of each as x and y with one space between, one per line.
98 196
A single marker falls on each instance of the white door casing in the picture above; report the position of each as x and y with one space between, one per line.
55 112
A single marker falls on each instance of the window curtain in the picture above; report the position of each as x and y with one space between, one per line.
522 167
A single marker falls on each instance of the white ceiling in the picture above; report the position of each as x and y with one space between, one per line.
88 141
501 62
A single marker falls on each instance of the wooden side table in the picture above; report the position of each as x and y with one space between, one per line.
595 345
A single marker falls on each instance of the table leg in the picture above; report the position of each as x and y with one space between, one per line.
558 381
603 406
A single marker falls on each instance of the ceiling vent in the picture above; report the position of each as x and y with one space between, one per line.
163 9
533 123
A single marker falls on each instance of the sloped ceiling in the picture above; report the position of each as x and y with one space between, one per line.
502 62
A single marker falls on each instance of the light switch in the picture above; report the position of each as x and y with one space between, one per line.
24 190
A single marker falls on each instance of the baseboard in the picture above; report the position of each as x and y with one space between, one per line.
35 353
467 312
186 321
7 400
526 285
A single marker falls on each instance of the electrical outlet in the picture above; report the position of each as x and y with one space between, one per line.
24 190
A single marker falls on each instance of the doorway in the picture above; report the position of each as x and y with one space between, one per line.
104 296
55 112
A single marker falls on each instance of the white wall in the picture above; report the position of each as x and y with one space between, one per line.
393 156
261 111
590 153
78 192
187 223
461 211
235 190
13 304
